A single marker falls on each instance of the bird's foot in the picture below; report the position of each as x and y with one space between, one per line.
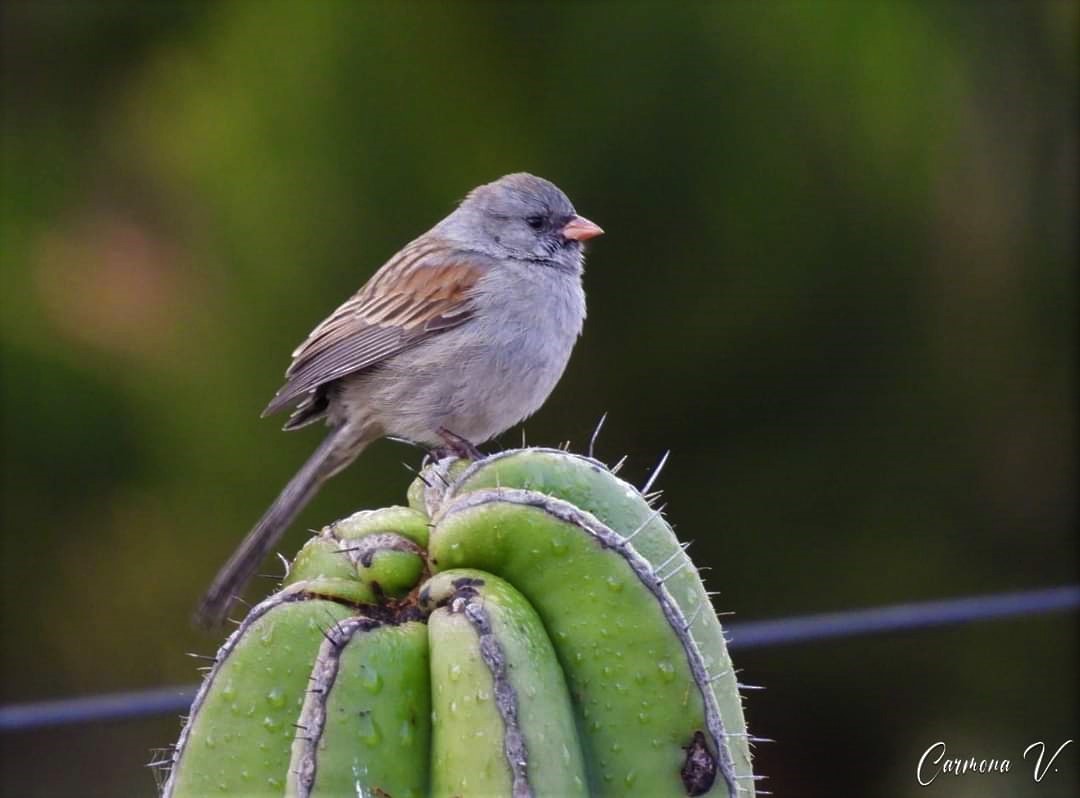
455 445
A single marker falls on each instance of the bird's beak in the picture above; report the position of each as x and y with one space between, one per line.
581 229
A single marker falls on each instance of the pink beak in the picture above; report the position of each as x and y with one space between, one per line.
581 229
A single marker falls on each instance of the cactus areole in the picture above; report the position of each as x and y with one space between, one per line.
528 626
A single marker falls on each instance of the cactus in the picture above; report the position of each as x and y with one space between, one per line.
528 626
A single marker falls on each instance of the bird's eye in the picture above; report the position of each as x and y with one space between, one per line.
535 222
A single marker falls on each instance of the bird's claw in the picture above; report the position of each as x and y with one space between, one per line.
455 445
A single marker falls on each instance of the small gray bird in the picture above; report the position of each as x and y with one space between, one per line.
458 337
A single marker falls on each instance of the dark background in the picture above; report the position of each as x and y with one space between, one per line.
838 282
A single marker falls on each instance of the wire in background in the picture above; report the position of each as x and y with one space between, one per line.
749 635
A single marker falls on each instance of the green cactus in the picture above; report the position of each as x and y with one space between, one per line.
528 626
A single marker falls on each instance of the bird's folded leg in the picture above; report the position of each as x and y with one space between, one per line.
457 445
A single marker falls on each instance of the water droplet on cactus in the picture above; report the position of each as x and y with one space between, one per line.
274 782
455 672
276 698
615 585
407 734
369 730
270 723
616 747
667 670
209 741
559 546
371 679
643 718
482 694
228 692
630 778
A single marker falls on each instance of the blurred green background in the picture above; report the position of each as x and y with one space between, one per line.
838 282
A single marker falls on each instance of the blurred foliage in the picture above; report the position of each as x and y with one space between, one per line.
838 282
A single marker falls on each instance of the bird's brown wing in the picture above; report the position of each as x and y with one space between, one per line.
421 291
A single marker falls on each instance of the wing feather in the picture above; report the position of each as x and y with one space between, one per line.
423 290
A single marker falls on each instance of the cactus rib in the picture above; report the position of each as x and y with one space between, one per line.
517 757
591 487
702 765
489 647
260 675
313 713
365 723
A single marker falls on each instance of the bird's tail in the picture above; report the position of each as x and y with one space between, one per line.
339 448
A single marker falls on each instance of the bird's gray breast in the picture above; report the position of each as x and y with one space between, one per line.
530 318
482 377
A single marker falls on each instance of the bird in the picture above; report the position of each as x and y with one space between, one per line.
459 336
